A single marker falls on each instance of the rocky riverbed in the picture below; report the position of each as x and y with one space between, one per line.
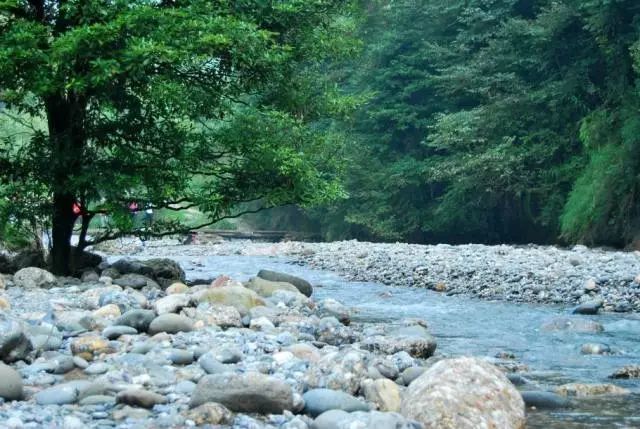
532 274
134 344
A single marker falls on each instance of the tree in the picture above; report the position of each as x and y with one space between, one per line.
169 104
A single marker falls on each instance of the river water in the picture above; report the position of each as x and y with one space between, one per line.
465 326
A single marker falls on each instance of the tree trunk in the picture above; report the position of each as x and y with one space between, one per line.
62 230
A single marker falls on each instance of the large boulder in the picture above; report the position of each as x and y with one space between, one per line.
464 393
11 385
245 393
572 324
274 276
237 296
34 278
164 271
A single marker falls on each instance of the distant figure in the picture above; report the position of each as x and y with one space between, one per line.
148 217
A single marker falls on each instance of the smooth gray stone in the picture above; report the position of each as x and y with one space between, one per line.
544 400
301 284
66 393
137 319
116 331
318 401
591 307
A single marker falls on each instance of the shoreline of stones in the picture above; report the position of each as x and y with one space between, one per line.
130 345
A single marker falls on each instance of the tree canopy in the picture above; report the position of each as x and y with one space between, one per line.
168 104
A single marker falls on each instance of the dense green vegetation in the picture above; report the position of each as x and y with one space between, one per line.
466 120
166 104
493 121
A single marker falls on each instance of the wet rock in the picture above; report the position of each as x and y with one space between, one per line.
464 393
302 285
544 400
34 278
384 393
210 413
629 371
241 298
572 325
595 349
11 383
14 344
116 331
171 324
318 401
581 390
590 307
135 281
140 398
331 307
249 393
266 288
137 319
171 303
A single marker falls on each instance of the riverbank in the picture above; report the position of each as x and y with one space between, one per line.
530 274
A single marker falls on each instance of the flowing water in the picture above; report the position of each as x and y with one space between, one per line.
471 327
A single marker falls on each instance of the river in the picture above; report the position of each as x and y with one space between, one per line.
465 326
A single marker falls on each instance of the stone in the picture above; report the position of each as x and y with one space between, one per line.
544 400
140 398
34 278
248 393
581 390
261 324
171 303
134 281
339 370
629 371
210 413
137 319
331 307
304 351
572 324
464 393
589 308
590 285
223 316
414 339
384 393
4 303
181 357
410 374
595 349
131 413
3 283
125 301
60 394
89 276
11 388
302 285
266 288
318 401
114 332
98 400
109 311
177 288
162 270
29 258
211 365
14 344
90 346
171 324
241 298
338 419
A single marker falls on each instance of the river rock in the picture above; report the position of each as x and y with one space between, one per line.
181 357
544 400
135 281
162 270
572 325
4 303
464 393
331 307
581 390
237 296
211 365
248 393
338 419
65 393
629 371
410 374
109 311
90 346
98 400
140 398
266 288
384 393
224 316
302 285
210 413
11 385
14 344
414 339
177 287
595 349
590 307
33 278
137 319
339 370
171 324
171 303
116 331
318 401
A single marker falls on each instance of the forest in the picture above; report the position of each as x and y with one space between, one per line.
422 121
